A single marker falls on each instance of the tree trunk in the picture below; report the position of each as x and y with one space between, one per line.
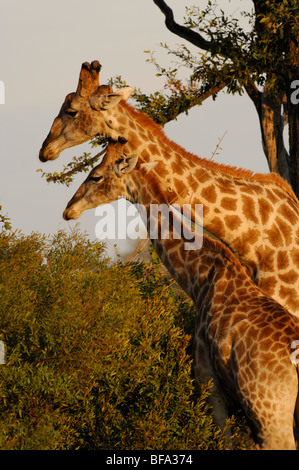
272 122
293 114
272 125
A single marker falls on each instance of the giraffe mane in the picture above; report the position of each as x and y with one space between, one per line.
232 171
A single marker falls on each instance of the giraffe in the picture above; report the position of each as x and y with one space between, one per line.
255 215
242 338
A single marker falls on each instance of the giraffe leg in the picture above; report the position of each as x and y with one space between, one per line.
278 436
203 373
271 409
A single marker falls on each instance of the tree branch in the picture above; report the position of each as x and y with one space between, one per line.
182 105
254 94
195 38
67 176
226 48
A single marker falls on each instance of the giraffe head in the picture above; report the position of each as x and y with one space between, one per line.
105 183
84 113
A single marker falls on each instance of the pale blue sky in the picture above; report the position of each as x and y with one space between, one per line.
43 44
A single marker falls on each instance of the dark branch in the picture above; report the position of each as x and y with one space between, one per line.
226 49
194 38
254 94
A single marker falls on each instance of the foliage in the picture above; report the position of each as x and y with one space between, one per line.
5 221
96 353
257 53
256 50
77 165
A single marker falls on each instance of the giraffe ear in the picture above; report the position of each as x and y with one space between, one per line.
126 165
102 102
125 92
148 166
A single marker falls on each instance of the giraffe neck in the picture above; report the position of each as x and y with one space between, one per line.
230 195
148 139
255 215
192 269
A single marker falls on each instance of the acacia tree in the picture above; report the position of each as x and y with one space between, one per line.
260 60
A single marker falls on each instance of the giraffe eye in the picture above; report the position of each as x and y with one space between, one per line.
71 113
96 179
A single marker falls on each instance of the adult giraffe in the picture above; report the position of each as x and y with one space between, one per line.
243 339
255 215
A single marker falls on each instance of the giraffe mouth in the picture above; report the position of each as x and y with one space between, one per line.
70 214
46 154
51 149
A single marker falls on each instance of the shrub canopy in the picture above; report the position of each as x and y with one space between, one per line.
97 354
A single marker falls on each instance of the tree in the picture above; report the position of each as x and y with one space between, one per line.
260 60
263 62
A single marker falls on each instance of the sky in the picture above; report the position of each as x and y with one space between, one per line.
43 44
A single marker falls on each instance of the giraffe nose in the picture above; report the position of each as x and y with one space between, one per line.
65 215
42 157
70 213
45 154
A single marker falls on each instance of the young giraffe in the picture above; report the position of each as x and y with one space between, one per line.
242 338
256 216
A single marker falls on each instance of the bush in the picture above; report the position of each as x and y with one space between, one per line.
96 353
